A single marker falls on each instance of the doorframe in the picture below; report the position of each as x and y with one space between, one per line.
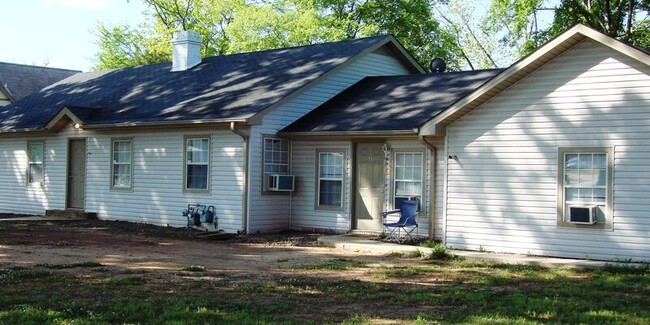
67 172
353 180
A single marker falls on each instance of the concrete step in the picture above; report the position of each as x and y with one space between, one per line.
71 214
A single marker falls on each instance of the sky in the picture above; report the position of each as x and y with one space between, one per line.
59 33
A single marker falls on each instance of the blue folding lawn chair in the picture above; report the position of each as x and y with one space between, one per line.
407 222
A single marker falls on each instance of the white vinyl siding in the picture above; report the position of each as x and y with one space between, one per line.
158 195
305 214
330 182
271 212
501 194
13 174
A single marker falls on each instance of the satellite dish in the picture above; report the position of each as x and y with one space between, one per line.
438 65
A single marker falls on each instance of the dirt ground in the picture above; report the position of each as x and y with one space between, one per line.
122 245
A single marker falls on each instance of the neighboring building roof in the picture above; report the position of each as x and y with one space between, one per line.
18 80
389 104
220 89
522 68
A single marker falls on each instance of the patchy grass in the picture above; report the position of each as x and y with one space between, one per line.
442 292
89 264
194 268
336 265
9 242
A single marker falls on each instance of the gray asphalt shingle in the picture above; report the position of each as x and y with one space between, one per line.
229 87
20 80
391 103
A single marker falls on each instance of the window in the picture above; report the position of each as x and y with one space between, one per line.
330 179
276 159
35 157
121 164
197 164
585 180
276 156
408 177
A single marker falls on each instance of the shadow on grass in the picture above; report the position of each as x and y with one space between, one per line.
441 292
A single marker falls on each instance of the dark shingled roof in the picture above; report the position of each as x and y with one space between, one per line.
394 103
220 88
19 80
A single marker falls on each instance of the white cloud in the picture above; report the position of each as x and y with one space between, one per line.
83 4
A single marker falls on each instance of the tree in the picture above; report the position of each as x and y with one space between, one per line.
626 20
478 48
232 26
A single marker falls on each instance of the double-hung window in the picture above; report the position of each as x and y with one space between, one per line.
197 164
35 157
121 164
276 158
409 170
330 179
585 182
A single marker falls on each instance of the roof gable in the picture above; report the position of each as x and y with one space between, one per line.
221 89
388 105
524 67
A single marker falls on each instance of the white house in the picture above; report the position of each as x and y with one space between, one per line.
546 157
550 157
140 144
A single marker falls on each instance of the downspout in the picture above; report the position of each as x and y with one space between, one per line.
432 184
244 214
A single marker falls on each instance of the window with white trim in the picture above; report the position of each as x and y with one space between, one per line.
35 157
276 156
585 181
121 164
197 164
407 179
275 159
330 179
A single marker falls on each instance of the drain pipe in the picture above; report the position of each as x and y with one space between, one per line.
244 214
432 184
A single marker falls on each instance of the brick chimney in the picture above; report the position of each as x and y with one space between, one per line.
187 50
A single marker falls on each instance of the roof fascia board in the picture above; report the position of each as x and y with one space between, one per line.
437 124
378 134
389 39
164 124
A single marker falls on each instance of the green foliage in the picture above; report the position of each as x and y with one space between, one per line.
234 26
517 20
440 252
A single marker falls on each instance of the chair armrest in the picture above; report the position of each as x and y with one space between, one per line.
385 213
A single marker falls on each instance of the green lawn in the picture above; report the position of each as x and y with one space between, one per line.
340 290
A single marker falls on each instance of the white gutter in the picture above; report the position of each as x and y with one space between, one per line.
245 178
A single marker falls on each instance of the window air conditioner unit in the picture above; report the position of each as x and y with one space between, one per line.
281 183
583 214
